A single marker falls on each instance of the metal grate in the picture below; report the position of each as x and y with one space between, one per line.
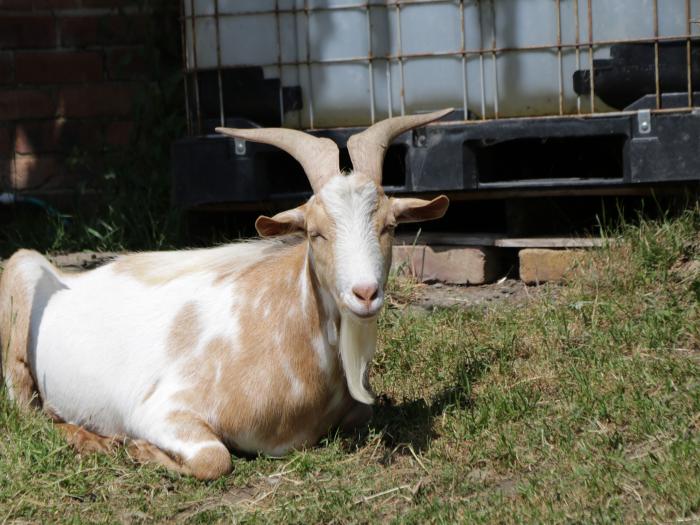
577 44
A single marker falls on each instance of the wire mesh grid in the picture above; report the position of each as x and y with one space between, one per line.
484 48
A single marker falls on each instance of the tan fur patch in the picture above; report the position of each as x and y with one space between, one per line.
254 395
318 220
15 316
160 268
285 417
147 269
86 442
142 451
384 224
140 266
212 461
185 331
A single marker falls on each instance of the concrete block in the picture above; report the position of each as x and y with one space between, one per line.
448 264
538 265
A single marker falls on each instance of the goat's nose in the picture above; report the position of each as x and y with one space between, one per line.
366 293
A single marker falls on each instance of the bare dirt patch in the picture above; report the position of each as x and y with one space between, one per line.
423 298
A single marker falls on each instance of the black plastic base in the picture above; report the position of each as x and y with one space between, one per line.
538 154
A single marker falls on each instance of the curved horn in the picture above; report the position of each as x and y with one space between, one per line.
367 149
319 157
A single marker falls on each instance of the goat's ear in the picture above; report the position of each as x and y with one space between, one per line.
416 210
290 221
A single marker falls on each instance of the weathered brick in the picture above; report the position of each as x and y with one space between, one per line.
6 67
96 100
126 63
448 264
79 31
539 265
16 5
119 133
57 4
27 32
26 103
36 67
6 172
101 30
5 143
56 135
107 3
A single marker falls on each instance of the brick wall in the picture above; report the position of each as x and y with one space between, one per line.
69 70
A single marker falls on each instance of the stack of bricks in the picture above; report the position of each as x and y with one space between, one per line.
69 70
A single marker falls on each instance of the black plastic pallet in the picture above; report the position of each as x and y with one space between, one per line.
469 157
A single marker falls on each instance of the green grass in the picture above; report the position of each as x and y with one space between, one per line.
581 404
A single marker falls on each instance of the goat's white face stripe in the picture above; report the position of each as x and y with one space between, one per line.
351 202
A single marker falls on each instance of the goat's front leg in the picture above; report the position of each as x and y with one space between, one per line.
183 442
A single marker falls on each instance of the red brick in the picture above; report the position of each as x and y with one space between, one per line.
107 3
56 4
102 30
448 264
5 148
96 100
56 135
5 173
79 31
28 103
27 32
42 172
37 67
119 133
6 67
538 265
16 5
126 63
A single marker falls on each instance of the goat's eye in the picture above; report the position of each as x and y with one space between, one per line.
316 235
389 228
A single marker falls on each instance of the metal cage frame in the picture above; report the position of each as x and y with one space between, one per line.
584 48
652 134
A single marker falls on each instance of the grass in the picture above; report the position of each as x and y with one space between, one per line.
579 404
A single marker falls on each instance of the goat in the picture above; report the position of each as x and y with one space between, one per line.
257 347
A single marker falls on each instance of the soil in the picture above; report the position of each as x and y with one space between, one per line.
443 295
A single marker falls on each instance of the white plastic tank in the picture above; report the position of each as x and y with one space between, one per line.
359 61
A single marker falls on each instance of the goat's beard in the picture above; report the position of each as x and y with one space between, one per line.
357 343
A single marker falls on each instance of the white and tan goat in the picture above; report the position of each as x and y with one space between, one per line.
257 347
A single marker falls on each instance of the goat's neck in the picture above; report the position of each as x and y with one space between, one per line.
317 318
328 314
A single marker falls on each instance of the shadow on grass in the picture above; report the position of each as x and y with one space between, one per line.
411 423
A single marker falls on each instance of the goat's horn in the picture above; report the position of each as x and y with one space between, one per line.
367 149
319 157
